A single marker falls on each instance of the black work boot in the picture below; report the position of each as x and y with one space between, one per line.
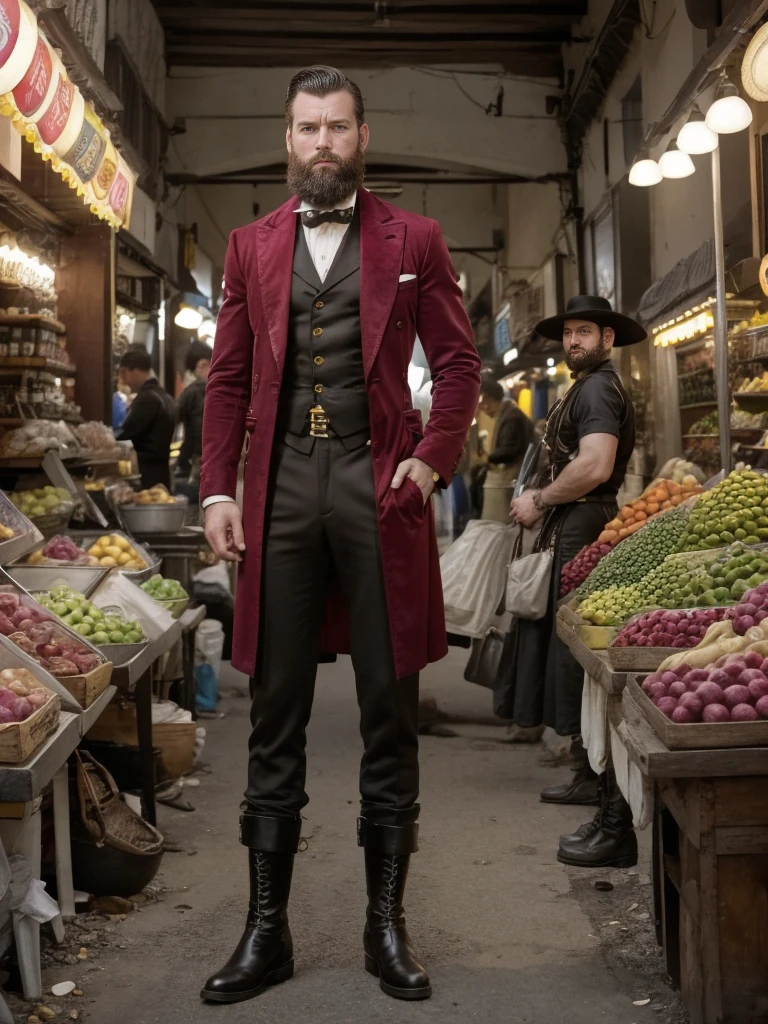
264 955
589 826
388 952
613 844
582 789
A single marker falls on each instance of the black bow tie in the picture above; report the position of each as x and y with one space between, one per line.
314 218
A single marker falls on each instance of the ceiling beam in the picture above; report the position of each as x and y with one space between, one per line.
350 8
542 63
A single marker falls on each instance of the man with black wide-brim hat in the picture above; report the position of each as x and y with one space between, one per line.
588 442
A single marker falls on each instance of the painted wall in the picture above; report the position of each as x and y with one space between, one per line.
468 215
235 119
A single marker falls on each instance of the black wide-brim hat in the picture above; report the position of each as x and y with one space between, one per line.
595 310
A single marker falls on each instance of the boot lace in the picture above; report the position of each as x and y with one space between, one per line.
390 908
261 898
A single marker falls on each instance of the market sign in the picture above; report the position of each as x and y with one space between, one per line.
51 113
694 323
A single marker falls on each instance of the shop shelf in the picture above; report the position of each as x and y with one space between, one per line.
700 405
752 401
15 363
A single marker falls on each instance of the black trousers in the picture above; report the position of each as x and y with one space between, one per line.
321 522
549 681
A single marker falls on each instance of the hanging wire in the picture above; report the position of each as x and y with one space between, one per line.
649 33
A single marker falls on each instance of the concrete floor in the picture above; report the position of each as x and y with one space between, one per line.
508 934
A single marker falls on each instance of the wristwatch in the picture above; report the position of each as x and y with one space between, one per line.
542 506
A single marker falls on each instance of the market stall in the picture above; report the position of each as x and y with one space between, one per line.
670 623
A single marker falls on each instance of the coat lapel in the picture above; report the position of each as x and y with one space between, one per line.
274 247
382 239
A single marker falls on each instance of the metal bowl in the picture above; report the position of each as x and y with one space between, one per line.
120 654
155 518
39 578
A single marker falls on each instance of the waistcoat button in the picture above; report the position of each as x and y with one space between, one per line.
317 331
319 304
318 360
318 388
399 323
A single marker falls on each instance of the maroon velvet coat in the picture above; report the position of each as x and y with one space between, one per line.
244 384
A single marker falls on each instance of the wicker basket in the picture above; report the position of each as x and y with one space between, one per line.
19 740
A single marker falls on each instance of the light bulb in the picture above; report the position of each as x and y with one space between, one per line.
188 318
675 164
729 113
695 137
645 172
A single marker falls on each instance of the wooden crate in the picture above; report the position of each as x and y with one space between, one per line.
639 659
19 740
596 638
698 735
175 740
86 688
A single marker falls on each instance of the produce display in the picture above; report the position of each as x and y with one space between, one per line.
42 501
756 320
681 581
96 437
640 553
35 632
573 573
87 619
109 551
662 496
739 420
112 550
736 509
755 384
163 590
157 495
36 438
662 628
725 679
678 469
59 550
21 695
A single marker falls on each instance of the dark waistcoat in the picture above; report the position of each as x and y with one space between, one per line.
324 356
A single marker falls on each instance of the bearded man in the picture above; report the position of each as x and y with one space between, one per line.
336 542
589 439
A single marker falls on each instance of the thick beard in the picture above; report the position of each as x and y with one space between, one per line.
325 186
583 362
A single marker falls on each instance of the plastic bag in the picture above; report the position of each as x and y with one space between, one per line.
206 687
474 571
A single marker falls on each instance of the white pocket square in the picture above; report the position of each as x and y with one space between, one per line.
406 277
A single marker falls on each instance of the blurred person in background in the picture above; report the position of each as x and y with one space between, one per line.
190 411
512 433
151 419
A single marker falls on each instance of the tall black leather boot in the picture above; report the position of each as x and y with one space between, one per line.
613 844
264 955
388 952
582 789
594 824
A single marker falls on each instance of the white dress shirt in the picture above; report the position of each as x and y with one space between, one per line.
323 243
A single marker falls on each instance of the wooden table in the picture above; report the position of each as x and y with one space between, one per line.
710 849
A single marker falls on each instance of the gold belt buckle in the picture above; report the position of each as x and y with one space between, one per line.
318 422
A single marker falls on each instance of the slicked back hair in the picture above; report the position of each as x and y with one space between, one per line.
320 80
